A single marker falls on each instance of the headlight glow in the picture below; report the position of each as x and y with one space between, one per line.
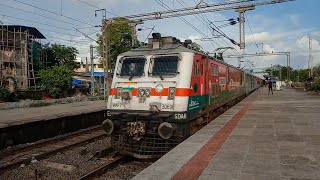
159 88
141 92
147 92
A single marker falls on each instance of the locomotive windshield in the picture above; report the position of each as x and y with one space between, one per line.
132 67
165 65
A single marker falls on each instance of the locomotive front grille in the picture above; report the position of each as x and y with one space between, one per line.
150 146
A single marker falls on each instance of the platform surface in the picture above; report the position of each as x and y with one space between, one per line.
17 116
264 137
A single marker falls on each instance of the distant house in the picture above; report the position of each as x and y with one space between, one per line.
21 56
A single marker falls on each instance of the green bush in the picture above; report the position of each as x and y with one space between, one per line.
56 80
4 93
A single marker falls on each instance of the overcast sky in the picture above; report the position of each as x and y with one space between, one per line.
280 27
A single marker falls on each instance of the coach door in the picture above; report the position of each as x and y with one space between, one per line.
204 78
196 99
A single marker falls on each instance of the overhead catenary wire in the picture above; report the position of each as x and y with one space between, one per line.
52 12
254 39
252 34
205 18
45 30
85 35
38 14
37 22
96 7
83 41
181 18
202 21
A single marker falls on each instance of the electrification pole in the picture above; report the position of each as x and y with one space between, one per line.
105 52
310 57
238 5
241 12
92 70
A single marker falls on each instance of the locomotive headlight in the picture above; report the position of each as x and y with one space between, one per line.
165 130
108 126
147 92
159 88
141 92
172 92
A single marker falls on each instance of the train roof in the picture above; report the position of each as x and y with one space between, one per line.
170 45
166 49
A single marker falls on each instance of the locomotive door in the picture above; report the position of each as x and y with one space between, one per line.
197 98
204 79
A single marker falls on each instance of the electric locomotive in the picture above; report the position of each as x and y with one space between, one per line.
164 92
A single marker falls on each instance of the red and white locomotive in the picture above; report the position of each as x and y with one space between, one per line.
164 92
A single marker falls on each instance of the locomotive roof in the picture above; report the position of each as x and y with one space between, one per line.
170 48
166 49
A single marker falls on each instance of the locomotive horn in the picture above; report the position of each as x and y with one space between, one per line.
108 126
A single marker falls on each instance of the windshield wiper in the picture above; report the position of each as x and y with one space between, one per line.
158 73
130 78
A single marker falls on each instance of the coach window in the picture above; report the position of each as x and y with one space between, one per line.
215 90
215 70
196 68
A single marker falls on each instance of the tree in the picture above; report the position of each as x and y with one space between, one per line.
4 93
55 80
61 55
119 35
295 75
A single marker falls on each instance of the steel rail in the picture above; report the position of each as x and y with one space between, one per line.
28 160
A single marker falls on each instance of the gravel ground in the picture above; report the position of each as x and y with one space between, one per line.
80 158
36 151
126 170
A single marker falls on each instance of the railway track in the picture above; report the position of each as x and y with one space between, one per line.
11 159
110 161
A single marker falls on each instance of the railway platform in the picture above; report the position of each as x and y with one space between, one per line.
23 125
265 137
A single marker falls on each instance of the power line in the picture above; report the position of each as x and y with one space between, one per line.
85 35
36 22
253 36
68 40
203 22
215 28
57 32
53 31
252 33
96 7
181 18
51 12
36 14
205 18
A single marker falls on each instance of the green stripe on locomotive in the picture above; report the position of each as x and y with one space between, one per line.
207 101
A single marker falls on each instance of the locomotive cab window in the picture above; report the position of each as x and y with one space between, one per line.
164 66
132 66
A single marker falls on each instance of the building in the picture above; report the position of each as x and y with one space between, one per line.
21 55
83 74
